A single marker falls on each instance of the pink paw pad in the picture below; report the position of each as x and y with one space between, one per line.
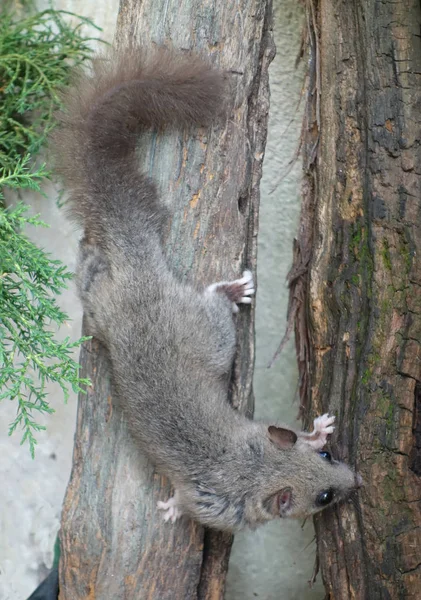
238 291
324 424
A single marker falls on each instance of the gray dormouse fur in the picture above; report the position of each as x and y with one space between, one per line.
171 346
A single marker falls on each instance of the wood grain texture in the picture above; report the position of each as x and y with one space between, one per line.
358 270
114 543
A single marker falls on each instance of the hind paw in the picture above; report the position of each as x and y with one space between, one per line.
238 291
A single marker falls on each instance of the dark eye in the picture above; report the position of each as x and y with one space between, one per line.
326 455
324 498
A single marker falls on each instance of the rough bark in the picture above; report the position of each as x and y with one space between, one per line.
356 284
113 541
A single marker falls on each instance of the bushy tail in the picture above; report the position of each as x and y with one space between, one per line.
93 149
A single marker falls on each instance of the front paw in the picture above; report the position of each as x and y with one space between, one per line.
323 426
171 509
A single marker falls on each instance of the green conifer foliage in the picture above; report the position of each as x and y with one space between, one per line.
36 56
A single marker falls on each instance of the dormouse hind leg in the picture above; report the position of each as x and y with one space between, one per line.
93 278
220 302
238 291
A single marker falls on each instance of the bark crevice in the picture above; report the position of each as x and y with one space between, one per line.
358 321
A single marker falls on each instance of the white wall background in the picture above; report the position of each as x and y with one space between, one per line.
273 563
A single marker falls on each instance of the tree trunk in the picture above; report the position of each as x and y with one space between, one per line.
356 284
114 543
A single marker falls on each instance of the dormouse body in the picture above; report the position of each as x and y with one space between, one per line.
171 346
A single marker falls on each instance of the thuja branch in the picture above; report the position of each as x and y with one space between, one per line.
36 57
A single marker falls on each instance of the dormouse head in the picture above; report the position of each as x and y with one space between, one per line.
301 478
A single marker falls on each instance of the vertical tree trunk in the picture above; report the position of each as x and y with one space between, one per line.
356 284
113 541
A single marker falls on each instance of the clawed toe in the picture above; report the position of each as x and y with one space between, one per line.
247 278
238 291
324 423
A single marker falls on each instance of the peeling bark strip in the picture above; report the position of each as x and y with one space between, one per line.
358 284
114 543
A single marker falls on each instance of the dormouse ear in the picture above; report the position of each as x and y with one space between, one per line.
279 504
283 438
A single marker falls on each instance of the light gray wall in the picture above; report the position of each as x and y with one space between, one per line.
274 562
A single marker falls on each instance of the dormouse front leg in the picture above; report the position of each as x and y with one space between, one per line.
171 508
323 426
